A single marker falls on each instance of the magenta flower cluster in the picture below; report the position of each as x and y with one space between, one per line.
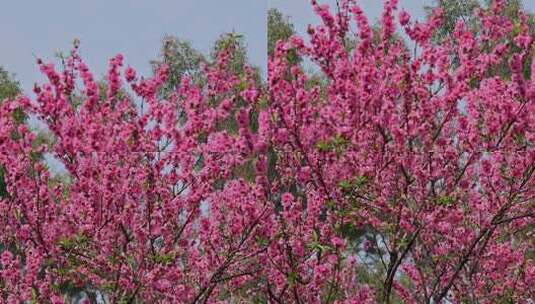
430 154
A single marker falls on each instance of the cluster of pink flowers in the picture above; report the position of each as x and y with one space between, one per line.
428 157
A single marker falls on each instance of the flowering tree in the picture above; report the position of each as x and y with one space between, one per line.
407 177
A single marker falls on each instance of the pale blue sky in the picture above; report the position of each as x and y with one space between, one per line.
132 27
32 28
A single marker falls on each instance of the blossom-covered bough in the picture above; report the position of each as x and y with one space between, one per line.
403 176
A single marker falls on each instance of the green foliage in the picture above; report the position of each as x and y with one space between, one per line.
245 171
316 245
455 10
262 242
79 241
356 183
351 232
43 138
336 144
511 9
445 201
19 116
181 58
184 60
103 87
272 164
9 87
291 278
376 39
67 287
3 186
163 258
236 43
279 27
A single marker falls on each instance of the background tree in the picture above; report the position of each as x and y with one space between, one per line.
181 58
9 87
236 43
279 28
467 12
454 11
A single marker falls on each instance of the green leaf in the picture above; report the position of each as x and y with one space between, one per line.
3 186
345 185
292 278
353 184
316 246
34 296
330 204
445 201
336 144
323 146
163 258
77 241
66 243
19 116
262 242
361 181
243 84
131 261
338 140
314 235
